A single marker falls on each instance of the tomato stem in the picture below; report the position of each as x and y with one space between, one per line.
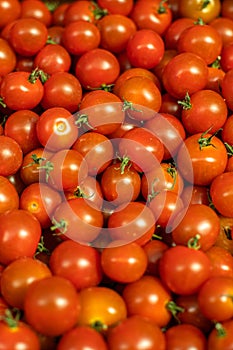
48 167
59 225
10 319
98 11
206 141
79 193
81 120
186 102
105 87
221 332
99 326
174 309
35 160
216 63
162 9
41 248
199 22
129 105
193 242
124 162
2 103
153 193
173 172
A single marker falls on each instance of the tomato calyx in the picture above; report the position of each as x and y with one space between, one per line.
221 332
2 103
173 173
172 307
82 119
99 326
124 162
162 9
59 225
186 102
199 22
153 193
216 63
206 141
193 242
127 105
38 74
229 149
12 317
79 193
35 160
98 12
48 167
204 4
41 248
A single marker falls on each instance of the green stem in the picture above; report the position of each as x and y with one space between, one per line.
193 242
59 225
186 102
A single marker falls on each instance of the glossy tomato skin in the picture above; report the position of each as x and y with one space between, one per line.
117 7
148 298
185 335
221 261
21 126
186 72
177 269
81 264
215 342
18 275
198 163
130 333
18 336
36 9
21 233
81 337
224 27
101 305
221 193
172 35
9 197
10 11
196 9
43 310
206 226
96 67
227 88
8 57
81 10
20 84
11 156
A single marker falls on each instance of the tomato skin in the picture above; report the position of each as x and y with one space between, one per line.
206 226
216 342
36 9
148 298
185 335
19 84
81 10
18 275
145 49
10 11
177 269
186 72
81 337
117 7
80 264
19 336
201 164
101 305
227 88
43 310
21 126
172 35
221 261
196 9
224 27
221 192
130 333
8 58
9 197
11 156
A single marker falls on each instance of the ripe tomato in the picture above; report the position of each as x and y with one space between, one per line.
44 310
78 219
21 126
224 27
9 197
186 72
183 270
56 129
132 221
122 7
197 106
11 156
18 275
220 336
201 158
221 193
80 264
173 32
10 11
132 332
125 263
185 335
26 86
115 31
101 307
97 67
81 10
200 9
82 337
206 226
154 250
145 49
36 9
148 298
7 59
214 298
221 261
20 235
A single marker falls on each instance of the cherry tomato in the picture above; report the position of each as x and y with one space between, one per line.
11 156
173 32
18 275
183 270
7 58
10 11
154 250
80 264
132 332
221 261
224 27
221 193
220 336
122 7
200 9
20 235
44 310
36 9
81 10
9 198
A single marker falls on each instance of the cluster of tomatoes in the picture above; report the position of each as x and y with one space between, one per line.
116 175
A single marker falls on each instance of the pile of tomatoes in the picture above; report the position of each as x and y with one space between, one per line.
116 175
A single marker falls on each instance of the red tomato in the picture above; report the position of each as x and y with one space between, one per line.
11 156
122 7
80 264
44 310
7 58
221 193
9 198
154 249
185 335
224 26
226 88
134 331
183 270
18 275
97 67
21 126
20 235
206 226
101 307
199 9
10 11
186 72
221 261
220 336
145 49
36 9
125 263
82 337
173 32
81 10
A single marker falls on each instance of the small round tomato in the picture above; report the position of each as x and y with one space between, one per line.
101 306
220 336
172 35
221 261
9 198
226 88
185 335
36 9
44 310
80 264
18 275
122 7
7 58
221 193
20 235
10 11
207 10
183 270
224 27
11 156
